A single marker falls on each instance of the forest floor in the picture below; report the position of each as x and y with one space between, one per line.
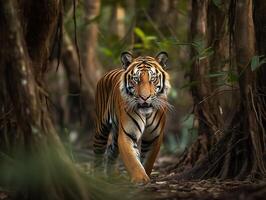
164 186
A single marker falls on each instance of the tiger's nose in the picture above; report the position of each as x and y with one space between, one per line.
145 97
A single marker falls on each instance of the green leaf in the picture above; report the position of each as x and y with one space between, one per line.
106 51
140 34
151 37
232 77
138 46
256 62
202 51
198 45
205 53
215 75
217 3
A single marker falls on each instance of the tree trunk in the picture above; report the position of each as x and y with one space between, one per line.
218 39
116 22
240 153
245 50
27 132
260 30
92 67
164 14
81 99
206 110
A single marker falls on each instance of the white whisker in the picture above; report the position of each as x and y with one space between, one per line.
159 103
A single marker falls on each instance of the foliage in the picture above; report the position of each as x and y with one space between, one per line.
257 61
146 40
202 51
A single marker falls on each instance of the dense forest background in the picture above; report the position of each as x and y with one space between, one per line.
54 52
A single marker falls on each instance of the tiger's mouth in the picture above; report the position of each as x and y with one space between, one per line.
144 105
145 108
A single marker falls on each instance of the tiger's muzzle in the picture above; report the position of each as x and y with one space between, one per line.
145 106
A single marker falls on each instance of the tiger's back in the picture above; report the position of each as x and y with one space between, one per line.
106 91
105 99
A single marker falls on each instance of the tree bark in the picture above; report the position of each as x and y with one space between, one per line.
245 50
260 31
164 14
240 153
92 67
80 96
27 130
206 110
116 23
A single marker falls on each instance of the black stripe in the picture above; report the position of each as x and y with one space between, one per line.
135 121
152 119
115 144
98 99
149 64
100 141
99 144
144 151
99 151
101 137
162 90
145 147
105 129
138 65
132 137
139 117
158 123
148 142
148 117
125 85
114 140
102 95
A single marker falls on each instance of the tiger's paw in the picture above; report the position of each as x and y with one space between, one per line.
140 178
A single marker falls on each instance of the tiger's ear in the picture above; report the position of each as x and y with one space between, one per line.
162 58
126 59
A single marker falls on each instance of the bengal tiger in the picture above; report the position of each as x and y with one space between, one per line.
131 104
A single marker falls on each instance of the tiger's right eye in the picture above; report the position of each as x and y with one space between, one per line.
135 78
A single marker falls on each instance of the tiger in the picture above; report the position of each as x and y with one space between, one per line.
131 104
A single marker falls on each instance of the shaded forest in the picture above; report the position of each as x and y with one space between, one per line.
54 52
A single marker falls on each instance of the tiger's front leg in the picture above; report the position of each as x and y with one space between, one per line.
127 144
151 142
153 150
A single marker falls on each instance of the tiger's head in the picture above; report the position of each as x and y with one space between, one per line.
145 83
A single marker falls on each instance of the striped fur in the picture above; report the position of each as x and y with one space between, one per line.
131 105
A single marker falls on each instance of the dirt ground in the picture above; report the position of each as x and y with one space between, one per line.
164 186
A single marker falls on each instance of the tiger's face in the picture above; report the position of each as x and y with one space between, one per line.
145 83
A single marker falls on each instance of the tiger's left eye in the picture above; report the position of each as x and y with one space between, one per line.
153 78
